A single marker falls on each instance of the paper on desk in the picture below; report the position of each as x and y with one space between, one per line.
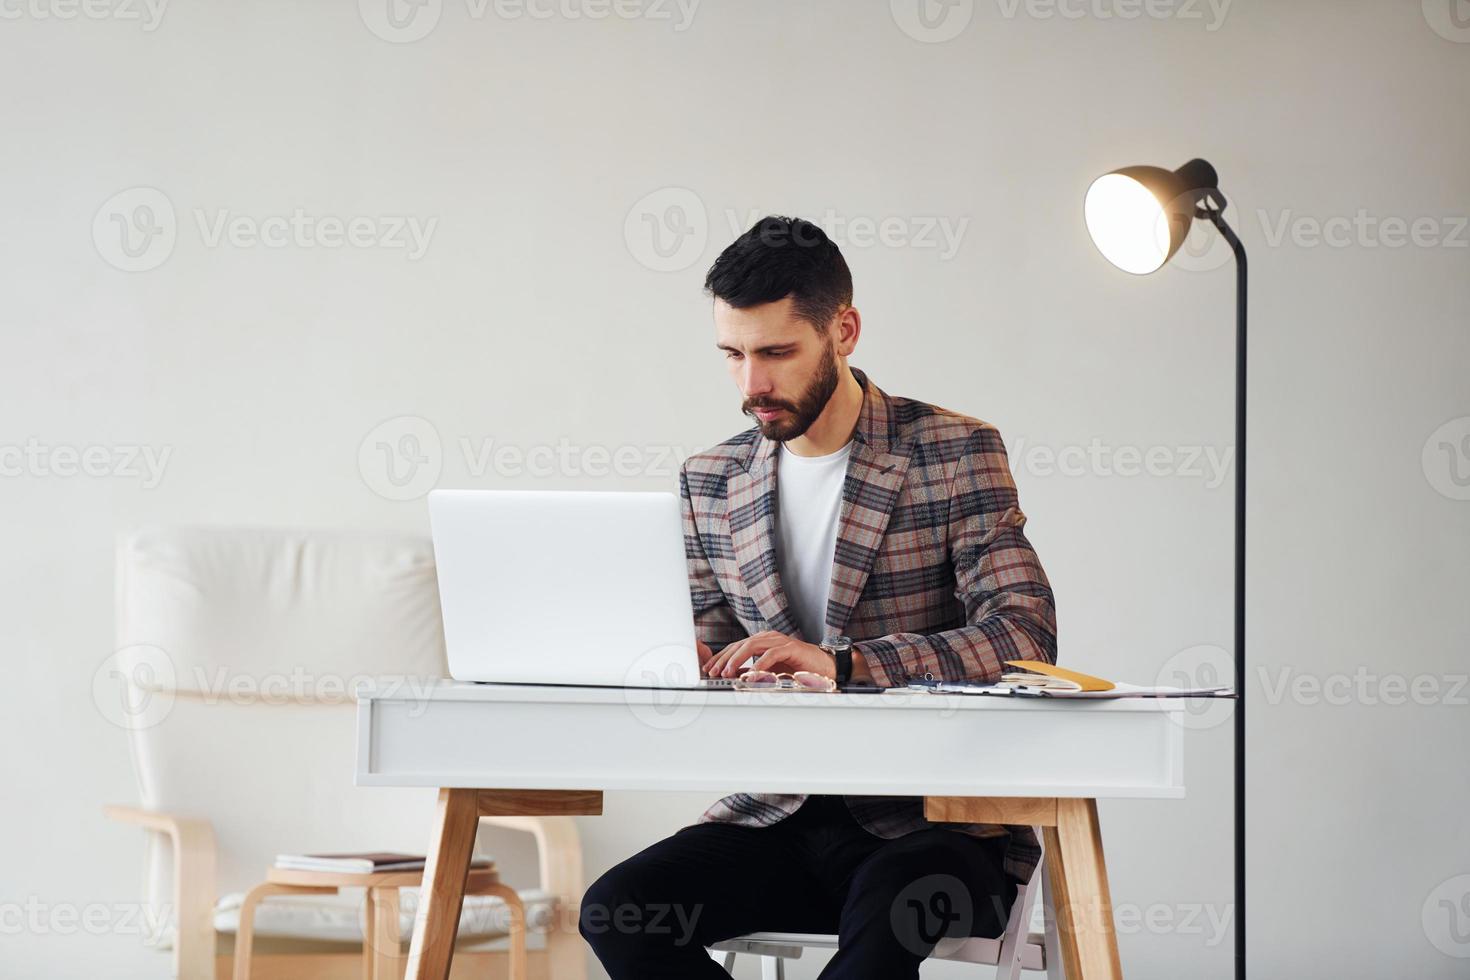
1118 690
1121 690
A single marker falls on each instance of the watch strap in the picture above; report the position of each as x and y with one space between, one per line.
841 651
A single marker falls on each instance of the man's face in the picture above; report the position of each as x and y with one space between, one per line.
785 369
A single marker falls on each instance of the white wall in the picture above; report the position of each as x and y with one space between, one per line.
533 318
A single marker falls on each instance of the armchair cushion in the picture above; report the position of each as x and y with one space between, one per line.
338 918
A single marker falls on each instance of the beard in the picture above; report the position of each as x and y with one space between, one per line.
800 416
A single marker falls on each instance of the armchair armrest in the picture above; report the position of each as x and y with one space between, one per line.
193 887
559 857
558 852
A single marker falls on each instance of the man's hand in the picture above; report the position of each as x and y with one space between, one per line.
773 651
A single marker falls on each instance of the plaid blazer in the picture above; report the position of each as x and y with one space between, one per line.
932 573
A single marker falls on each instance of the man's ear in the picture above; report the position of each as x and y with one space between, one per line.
849 329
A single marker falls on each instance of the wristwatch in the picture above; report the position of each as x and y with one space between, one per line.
841 649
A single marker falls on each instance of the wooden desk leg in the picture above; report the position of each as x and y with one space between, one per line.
1083 905
442 898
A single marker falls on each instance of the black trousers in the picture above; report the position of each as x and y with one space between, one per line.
888 901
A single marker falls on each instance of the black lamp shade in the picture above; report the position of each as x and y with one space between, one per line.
1139 216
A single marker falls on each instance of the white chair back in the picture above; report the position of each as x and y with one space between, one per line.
239 651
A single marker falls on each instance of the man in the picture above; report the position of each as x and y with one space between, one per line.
866 538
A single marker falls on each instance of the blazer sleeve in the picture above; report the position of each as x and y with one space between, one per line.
1009 610
715 622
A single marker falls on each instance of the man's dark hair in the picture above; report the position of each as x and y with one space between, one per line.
780 257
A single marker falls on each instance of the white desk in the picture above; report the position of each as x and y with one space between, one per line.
554 750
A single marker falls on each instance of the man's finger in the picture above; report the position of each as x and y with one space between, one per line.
726 654
773 659
730 662
768 660
712 666
716 666
742 650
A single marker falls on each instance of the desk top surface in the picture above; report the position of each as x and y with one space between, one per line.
419 690
445 733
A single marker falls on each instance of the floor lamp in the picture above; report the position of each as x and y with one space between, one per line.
1138 217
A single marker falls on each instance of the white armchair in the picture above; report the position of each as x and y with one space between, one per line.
238 654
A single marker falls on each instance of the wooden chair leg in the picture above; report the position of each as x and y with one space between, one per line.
517 909
245 931
381 952
369 923
566 950
1085 925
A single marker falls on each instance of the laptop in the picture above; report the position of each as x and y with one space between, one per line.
565 587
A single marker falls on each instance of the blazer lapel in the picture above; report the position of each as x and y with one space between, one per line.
751 499
875 473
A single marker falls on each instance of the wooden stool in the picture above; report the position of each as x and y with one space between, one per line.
380 942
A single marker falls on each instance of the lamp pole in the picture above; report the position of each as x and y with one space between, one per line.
1139 217
1216 216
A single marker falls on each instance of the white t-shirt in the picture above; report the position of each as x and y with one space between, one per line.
808 503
